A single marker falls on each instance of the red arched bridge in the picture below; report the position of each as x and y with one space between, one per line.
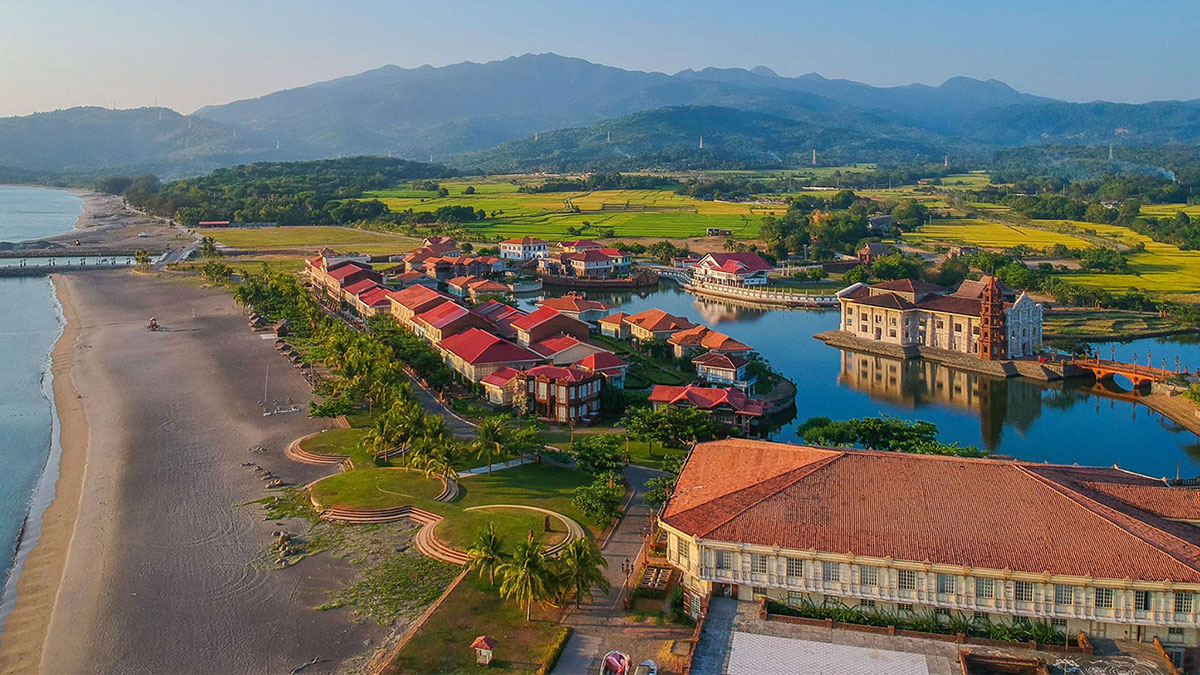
1137 374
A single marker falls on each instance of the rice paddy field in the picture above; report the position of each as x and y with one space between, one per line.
987 234
311 238
1169 210
629 213
1161 268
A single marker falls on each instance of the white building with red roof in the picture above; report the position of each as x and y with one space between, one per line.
578 307
731 269
1100 551
414 300
611 366
523 248
702 338
724 370
580 245
655 323
476 353
565 350
500 386
545 322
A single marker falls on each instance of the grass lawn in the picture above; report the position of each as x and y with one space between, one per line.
639 451
645 371
991 235
512 526
545 485
475 608
340 442
311 237
376 488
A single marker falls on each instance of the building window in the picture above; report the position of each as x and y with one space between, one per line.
869 575
1103 598
758 563
941 612
795 568
907 580
759 592
980 617
1174 634
1023 591
867 605
1141 601
724 560
1059 625
795 598
1064 595
831 571
985 588
946 583
681 548
1183 603
904 608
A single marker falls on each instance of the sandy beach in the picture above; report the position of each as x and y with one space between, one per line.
107 225
147 559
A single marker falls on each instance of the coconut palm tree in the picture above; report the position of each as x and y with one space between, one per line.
490 437
485 553
528 577
581 569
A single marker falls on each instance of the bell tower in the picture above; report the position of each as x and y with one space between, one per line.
992 334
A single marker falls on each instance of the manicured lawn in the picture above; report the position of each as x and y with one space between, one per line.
376 488
472 609
344 442
311 237
640 452
545 485
645 371
512 526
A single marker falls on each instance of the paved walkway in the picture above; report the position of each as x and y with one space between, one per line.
602 625
495 467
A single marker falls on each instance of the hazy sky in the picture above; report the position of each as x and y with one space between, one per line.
62 53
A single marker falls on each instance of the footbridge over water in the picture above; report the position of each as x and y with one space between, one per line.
1137 374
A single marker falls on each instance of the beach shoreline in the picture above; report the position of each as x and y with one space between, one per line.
39 577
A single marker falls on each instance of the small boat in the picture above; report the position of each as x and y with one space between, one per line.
615 663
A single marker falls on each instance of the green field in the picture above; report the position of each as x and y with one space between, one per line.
311 238
629 213
991 235
1161 268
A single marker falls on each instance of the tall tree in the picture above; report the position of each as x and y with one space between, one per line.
485 553
528 577
581 569
490 437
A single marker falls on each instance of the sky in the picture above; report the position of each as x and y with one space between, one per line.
185 55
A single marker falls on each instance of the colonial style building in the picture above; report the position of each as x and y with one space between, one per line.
564 395
702 338
545 322
654 323
727 370
476 353
589 263
731 269
611 366
1102 551
414 300
728 405
578 307
975 319
523 248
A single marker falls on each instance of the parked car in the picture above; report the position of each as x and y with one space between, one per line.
647 667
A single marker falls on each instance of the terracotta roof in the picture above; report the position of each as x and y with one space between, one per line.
615 252
582 243
501 377
417 297
914 286
555 344
574 303
483 642
557 373
656 320
703 336
537 317
360 286
525 241
885 300
588 255
442 315
718 360
376 297
951 304
487 286
462 281
601 362
706 398
477 346
407 277
974 512
876 248
494 310
342 271
617 318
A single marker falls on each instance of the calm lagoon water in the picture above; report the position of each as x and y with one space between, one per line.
1049 422
30 323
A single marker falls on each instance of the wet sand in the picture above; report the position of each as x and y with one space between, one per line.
146 560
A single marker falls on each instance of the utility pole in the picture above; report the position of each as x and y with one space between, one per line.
701 142
814 163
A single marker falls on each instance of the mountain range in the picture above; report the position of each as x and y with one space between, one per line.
486 115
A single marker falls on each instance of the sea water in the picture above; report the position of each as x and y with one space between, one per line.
30 323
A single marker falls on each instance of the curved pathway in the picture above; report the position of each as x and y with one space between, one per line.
574 529
296 453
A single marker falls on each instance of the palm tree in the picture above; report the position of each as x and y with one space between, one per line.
580 569
485 554
382 437
528 576
490 436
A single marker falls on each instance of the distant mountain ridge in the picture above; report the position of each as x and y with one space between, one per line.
462 111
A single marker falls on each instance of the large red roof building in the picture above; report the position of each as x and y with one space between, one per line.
1096 550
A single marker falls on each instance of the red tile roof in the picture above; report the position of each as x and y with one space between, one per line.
555 344
536 318
951 304
616 317
487 286
418 296
414 275
582 243
574 303
501 377
718 360
601 362
442 315
342 271
656 320
376 297
477 346
703 336
557 373
525 241
746 263
706 398
360 286
914 286
462 281
974 512
885 300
